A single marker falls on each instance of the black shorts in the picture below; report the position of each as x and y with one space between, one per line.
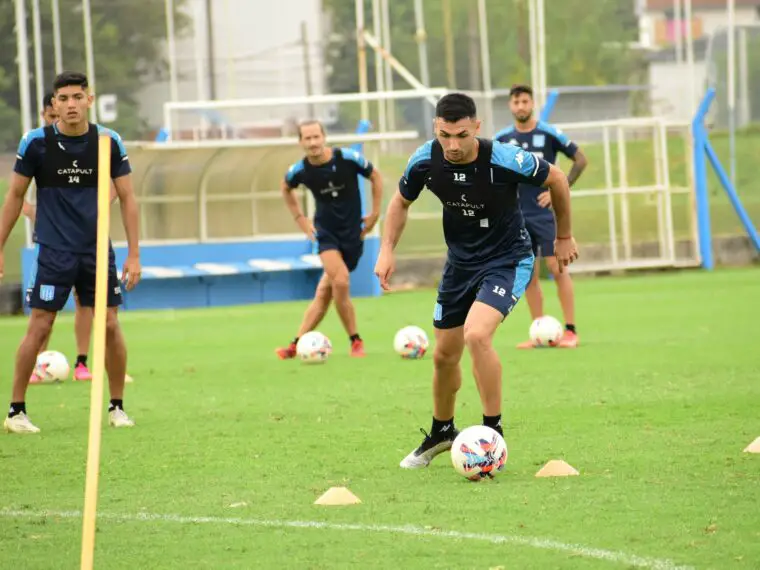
58 271
350 250
499 287
543 232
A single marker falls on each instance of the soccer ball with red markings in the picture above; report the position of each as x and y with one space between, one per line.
411 343
52 366
313 348
546 331
479 452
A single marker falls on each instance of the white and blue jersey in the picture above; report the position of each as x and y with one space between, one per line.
545 141
482 222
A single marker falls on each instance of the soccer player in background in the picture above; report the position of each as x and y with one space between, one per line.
338 227
63 160
545 141
489 261
84 315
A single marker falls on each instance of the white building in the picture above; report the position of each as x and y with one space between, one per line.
669 76
257 49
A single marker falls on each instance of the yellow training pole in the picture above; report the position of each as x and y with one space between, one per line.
99 353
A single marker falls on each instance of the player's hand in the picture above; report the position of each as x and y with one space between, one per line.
385 267
132 272
307 227
545 199
369 223
566 251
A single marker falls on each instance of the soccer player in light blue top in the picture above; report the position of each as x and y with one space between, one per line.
489 261
545 141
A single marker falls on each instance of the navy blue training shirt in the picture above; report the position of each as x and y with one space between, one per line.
545 141
65 173
482 222
335 188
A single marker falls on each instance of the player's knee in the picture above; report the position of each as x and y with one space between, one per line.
112 324
341 285
476 337
324 294
40 325
443 358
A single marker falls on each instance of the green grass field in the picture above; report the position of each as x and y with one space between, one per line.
232 446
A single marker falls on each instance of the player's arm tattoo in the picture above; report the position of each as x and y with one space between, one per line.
395 220
580 162
560 193
14 202
129 212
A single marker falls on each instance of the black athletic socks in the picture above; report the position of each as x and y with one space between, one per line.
442 428
81 359
493 422
116 404
570 327
354 337
17 408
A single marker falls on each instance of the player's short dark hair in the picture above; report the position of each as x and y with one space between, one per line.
455 107
308 122
47 100
521 90
70 78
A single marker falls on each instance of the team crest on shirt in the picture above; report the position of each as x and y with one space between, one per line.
47 292
539 141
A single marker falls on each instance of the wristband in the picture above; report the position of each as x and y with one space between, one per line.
566 237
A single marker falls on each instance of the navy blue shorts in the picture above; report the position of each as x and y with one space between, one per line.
543 232
498 287
58 271
350 250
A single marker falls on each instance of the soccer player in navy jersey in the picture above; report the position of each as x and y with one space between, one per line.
489 261
330 173
63 160
83 316
545 141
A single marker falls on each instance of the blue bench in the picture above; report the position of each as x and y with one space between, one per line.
222 274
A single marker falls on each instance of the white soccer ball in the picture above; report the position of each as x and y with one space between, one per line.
52 366
411 342
479 452
313 347
546 331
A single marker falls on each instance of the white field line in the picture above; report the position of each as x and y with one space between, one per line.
611 556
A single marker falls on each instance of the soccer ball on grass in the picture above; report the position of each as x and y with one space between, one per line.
411 343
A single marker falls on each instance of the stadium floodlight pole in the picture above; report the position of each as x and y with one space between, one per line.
690 58
361 53
379 72
39 75
386 24
541 47
173 88
731 9
677 30
420 37
534 74
22 59
485 57
57 48
89 55
448 38
744 115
